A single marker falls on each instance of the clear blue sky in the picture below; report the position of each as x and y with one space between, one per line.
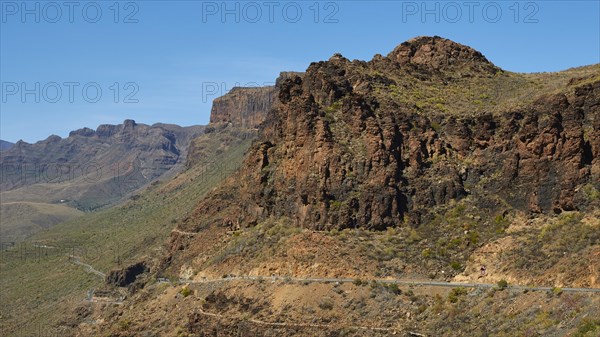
171 50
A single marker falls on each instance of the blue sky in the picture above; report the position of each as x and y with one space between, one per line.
160 61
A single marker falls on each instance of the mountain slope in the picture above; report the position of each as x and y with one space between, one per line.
40 286
425 164
4 145
21 219
88 170
137 153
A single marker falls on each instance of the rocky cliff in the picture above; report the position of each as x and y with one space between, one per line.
383 143
243 107
246 106
239 113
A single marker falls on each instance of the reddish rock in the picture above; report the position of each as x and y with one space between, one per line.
334 152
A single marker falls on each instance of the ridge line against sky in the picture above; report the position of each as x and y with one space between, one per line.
165 62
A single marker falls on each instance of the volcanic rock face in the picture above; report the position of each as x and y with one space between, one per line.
126 276
336 152
246 106
439 54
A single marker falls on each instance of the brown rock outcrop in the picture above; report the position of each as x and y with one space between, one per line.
246 106
127 275
335 152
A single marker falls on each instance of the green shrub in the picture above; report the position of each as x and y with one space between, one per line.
502 284
426 253
473 237
185 291
124 324
557 291
456 293
393 288
326 304
414 236
358 282
591 193
588 328
411 295
456 265
335 204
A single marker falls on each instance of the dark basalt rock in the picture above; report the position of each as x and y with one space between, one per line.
126 276
84 132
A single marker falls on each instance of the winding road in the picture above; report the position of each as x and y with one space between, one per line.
90 269
386 281
394 331
76 260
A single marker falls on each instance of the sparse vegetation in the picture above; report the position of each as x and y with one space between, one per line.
358 282
590 192
261 239
105 238
326 304
185 291
588 328
456 265
456 294
556 291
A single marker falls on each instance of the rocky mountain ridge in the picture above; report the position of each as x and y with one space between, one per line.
247 107
94 168
338 151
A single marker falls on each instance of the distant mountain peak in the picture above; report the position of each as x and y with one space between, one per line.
84 132
129 124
